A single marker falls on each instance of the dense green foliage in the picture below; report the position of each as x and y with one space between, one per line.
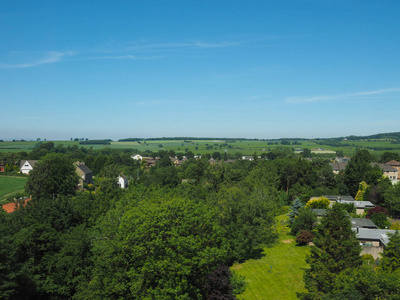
52 176
172 233
306 220
360 169
336 249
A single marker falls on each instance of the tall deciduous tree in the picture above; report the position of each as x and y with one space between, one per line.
156 251
336 249
52 176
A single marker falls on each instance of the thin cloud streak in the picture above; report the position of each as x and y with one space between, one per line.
57 56
131 57
176 46
257 97
156 102
50 58
339 96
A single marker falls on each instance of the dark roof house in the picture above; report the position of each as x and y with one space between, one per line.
84 173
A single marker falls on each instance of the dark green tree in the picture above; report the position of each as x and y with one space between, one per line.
388 156
336 249
305 220
52 176
247 219
391 254
306 152
360 169
392 200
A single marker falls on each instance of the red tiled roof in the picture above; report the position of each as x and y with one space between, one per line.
10 207
393 163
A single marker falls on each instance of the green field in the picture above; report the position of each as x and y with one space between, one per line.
11 185
284 279
245 147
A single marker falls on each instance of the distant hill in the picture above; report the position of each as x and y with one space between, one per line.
379 136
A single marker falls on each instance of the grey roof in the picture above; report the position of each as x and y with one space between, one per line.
362 223
382 235
358 204
385 167
338 197
84 168
338 166
31 162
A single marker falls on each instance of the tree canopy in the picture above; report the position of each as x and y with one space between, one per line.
52 176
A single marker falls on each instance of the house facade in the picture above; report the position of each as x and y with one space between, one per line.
27 165
338 166
373 241
122 181
388 171
394 164
84 173
137 157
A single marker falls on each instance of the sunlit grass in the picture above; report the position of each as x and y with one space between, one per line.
11 185
279 273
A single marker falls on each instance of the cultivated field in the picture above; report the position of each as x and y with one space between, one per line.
11 185
277 275
245 147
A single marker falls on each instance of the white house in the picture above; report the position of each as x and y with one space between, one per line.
122 181
27 165
137 157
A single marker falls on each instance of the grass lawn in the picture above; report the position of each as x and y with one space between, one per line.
284 279
11 185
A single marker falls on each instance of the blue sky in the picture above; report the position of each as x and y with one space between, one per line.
254 69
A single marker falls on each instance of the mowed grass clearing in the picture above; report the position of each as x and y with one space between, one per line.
284 278
11 185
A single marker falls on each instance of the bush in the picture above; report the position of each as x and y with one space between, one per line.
321 202
304 238
376 210
306 220
378 215
380 220
395 226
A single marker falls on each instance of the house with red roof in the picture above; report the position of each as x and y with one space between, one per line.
11 207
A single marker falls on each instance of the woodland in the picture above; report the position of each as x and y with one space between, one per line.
175 231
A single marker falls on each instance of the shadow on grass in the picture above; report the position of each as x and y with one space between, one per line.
256 254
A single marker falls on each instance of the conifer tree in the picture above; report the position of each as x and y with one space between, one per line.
391 254
294 209
336 249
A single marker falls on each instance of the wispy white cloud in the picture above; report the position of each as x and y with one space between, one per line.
258 97
128 56
347 96
181 46
50 58
118 52
155 102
